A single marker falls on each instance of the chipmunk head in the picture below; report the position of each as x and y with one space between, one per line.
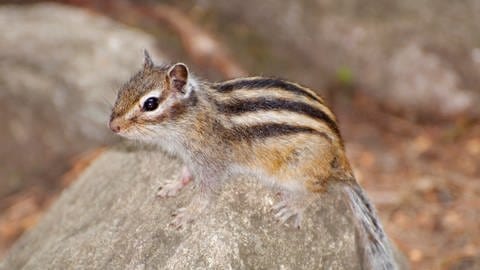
153 97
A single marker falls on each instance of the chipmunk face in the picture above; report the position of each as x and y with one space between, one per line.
150 99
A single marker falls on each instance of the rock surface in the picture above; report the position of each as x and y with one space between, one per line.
59 70
110 219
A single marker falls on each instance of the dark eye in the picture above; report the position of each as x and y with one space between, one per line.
150 104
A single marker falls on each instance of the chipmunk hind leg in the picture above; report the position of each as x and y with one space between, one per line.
303 180
303 186
292 205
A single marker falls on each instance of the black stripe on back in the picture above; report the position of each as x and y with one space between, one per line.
264 83
266 130
266 104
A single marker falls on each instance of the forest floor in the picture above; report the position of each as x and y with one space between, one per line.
423 176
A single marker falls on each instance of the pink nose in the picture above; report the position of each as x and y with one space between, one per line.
114 126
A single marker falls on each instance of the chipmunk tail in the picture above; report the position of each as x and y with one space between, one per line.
377 252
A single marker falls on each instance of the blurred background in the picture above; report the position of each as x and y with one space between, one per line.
402 76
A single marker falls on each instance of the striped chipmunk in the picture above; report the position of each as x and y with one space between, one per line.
276 131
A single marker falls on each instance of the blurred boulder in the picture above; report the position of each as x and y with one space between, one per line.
419 80
110 219
59 71
422 57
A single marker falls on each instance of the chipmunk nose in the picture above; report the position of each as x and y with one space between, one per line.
114 126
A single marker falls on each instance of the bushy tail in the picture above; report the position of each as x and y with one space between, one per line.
375 246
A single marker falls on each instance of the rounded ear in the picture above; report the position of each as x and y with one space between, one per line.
147 63
177 77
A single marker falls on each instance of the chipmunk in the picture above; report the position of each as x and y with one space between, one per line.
277 131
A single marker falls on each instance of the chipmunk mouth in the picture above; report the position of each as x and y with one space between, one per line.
131 128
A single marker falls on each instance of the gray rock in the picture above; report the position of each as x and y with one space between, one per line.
111 219
59 70
420 80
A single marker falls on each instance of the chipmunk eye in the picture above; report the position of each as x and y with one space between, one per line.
150 104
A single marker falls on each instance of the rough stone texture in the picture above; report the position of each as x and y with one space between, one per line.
59 70
422 56
110 219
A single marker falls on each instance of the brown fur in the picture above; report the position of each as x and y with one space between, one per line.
214 128
313 159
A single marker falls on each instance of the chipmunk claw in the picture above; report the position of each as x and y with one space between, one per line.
185 216
172 188
181 219
285 211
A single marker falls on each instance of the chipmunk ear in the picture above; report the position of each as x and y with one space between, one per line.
147 63
177 77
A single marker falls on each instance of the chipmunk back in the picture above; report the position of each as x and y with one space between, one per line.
276 131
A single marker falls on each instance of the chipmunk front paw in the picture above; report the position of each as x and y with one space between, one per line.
172 188
185 216
182 218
